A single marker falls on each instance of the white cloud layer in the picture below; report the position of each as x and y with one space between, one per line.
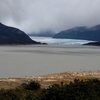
36 15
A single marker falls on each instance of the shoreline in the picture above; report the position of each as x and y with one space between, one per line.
74 74
47 80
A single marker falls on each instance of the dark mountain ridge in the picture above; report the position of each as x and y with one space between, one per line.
93 43
11 35
82 33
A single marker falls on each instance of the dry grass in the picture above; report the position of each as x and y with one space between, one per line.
8 85
48 80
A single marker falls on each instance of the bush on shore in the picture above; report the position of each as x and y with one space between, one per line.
77 90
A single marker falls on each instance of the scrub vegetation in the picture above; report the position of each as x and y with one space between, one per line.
76 90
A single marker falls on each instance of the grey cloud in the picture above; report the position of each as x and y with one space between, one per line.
56 15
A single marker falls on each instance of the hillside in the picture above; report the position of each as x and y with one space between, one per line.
93 43
11 35
83 33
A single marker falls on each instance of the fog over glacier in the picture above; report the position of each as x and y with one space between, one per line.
56 15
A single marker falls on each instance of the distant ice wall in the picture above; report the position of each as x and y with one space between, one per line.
50 40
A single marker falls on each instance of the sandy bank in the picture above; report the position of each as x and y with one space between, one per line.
47 80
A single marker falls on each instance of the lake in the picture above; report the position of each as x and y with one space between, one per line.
35 60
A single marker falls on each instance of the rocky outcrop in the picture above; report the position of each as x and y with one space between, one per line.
11 35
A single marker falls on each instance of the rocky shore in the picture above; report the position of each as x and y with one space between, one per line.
47 80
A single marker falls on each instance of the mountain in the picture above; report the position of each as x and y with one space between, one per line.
11 35
83 33
93 43
46 33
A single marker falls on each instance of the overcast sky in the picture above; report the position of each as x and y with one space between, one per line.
56 15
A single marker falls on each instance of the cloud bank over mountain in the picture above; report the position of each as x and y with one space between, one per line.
38 15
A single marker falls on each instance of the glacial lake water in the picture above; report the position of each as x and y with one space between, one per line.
35 60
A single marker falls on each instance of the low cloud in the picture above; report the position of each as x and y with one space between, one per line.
56 15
